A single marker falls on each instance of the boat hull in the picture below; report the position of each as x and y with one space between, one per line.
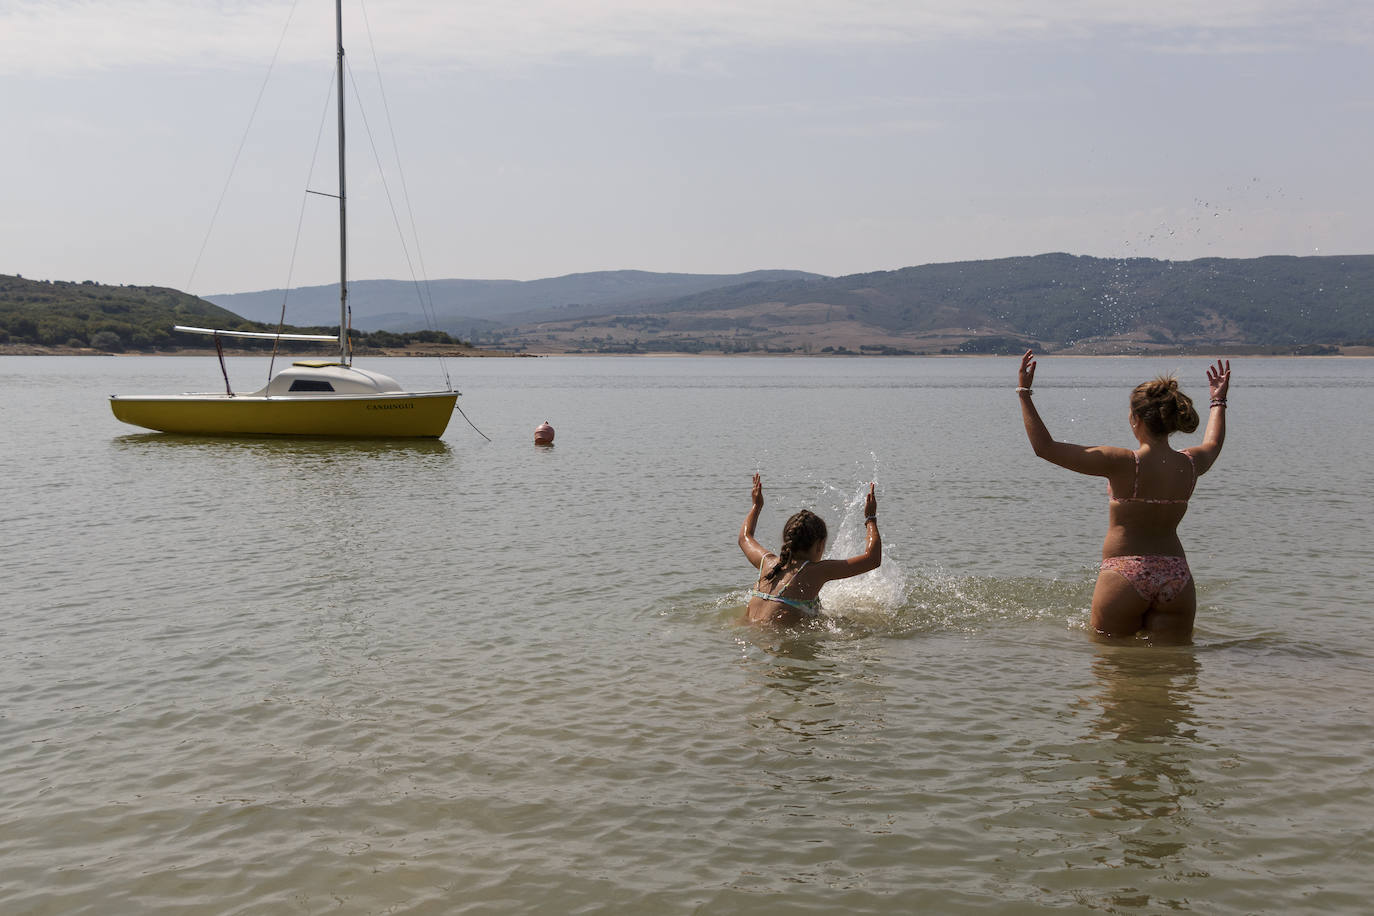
392 415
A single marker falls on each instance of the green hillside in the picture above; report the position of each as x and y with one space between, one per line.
1052 301
1055 302
64 314
59 313
1062 299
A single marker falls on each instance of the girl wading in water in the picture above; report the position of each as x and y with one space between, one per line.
789 586
1144 586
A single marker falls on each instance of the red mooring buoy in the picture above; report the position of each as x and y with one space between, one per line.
543 434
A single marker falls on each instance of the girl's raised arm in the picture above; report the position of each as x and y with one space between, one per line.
870 559
753 550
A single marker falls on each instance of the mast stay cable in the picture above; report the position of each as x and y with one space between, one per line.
243 141
422 288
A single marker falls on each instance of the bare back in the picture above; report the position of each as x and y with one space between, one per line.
1148 497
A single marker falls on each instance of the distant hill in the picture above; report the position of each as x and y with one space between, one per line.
460 306
1055 302
62 313
1052 301
91 316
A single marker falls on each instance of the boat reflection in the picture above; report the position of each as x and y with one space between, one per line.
281 446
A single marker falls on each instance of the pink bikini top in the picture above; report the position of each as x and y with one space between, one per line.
1135 487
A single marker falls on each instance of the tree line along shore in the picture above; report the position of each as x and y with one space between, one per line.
1057 303
60 317
13 349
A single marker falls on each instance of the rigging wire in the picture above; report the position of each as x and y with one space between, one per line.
243 141
300 220
423 294
395 218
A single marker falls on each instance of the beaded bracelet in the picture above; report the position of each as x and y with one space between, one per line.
870 518
1026 390
1219 402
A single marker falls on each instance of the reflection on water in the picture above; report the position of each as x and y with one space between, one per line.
794 661
1147 712
811 688
1146 695
383 676
290 446
1147 727
1115 816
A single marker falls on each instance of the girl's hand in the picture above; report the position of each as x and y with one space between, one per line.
1219 379
758 492
1027 373
871 502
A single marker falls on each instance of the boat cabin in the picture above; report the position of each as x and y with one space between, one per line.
324 378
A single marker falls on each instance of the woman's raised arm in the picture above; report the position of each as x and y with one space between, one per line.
1093 460
1218 383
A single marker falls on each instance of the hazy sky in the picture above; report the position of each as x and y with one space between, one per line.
545 137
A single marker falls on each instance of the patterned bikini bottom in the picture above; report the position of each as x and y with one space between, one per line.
1157 579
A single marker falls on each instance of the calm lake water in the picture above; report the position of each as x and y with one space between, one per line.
262 676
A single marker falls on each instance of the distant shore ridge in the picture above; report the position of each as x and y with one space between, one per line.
1055 303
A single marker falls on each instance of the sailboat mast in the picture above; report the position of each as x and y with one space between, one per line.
343 203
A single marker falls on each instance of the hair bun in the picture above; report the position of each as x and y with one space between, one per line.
1162 387
1163 407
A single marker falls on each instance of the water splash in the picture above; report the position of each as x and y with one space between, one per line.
901 598
893 601
882 590
943 602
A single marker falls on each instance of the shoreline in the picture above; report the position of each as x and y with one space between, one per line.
431 353
478 353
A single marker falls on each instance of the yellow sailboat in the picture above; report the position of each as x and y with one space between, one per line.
311 397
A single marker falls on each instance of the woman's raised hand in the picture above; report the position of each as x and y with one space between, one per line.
757 492
871 502
1027 373
1219 379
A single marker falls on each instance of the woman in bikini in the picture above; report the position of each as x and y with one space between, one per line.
1144 586
789 586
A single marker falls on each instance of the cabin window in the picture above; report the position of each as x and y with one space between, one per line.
310 384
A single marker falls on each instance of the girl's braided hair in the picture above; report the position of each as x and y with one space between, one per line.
799 535
1162 407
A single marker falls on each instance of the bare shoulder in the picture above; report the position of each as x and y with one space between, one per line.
1094 460
1202 457
823 570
